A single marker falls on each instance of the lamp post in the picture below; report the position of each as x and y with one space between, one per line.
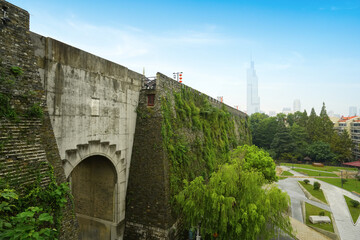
178 76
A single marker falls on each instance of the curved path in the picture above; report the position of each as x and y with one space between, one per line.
337 205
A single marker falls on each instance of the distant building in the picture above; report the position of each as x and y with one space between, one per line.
272 113
286 110
334 119
352 111
253 99
352 126
297 105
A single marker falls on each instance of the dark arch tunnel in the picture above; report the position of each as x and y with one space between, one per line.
93 184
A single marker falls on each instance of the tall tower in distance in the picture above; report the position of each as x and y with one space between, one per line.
253 99
297 105
352 111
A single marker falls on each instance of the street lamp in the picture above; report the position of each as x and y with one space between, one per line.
178 76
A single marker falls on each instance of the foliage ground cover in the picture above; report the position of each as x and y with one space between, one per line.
313 210
314 173
354 211
286 173
316 193
34 211
325 168
350 185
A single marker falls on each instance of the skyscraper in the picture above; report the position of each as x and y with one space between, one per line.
253 100
352 111
297 105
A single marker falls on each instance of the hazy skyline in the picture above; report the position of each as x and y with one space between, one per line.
306 50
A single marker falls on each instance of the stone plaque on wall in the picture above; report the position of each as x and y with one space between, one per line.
95 107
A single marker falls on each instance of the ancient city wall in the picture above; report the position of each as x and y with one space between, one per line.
92 109
173 140
92 106
26 135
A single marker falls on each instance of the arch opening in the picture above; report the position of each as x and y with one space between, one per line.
93 184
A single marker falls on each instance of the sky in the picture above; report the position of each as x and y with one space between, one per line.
302 49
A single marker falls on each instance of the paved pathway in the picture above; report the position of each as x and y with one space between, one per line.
346 229
303 232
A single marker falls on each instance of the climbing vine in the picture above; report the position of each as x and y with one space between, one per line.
8 79
33 211
197 136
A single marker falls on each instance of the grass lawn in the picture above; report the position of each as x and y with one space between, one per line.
287 173
315 173
350 185
325 168
316 193
312 210
355 212
281 178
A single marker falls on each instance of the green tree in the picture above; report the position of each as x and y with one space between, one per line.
300 138
255 120
341 145
290 119
283 142
312 125
320 152
302 119
256 158
326 132
235 204
264 133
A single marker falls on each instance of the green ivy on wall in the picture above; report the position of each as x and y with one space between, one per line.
8 79
197 136
33 211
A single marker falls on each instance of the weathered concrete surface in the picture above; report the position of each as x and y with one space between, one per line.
92 106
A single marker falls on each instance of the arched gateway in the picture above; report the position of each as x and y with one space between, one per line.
97 173
93 183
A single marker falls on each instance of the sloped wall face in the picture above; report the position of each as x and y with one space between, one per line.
26 139
92 106
184 134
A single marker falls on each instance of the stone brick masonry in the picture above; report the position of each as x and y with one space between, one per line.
26 143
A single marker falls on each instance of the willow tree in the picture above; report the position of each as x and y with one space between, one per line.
236 202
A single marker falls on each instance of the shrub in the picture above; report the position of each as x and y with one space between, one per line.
354 203
317 186
322 213
306 181
343 180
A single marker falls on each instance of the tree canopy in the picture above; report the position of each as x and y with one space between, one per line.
296 135
235 203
